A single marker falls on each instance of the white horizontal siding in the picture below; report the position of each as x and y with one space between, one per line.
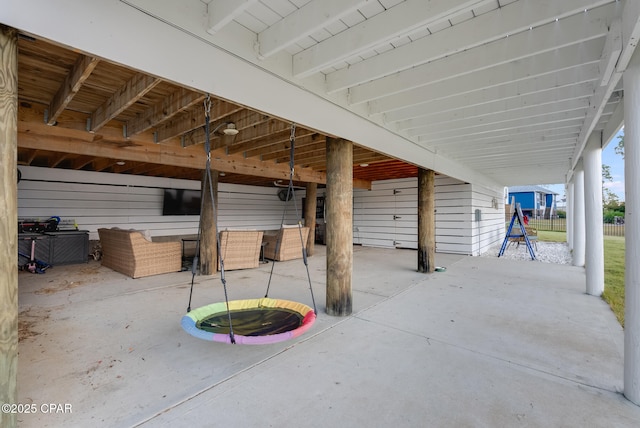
373 213
456 228
96 200
454 215
490 229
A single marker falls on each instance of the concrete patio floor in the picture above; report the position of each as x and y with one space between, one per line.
487 343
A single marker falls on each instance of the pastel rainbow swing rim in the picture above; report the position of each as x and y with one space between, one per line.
191 319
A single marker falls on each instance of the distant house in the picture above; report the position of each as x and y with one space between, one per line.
535 201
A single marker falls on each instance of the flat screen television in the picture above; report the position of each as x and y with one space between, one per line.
181 202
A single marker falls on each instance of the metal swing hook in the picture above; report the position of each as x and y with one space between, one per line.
293 132
292 140
207 112
207 106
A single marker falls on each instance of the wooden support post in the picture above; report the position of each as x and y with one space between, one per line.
8 222
310 215
426 221
208 218
339 232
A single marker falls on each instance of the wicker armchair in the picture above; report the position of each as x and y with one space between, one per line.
240 249
130 253
284 244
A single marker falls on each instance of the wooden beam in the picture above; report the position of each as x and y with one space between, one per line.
260 133
82 161
193 119
267 143
311 151
8 223
102 164
32 157
317 160
166 171
71 136
176 102
81 70
245 120
426 221
73 125
302 145
166 155
240 165
54 161
359 183
280 142
366 155
131 92
339 227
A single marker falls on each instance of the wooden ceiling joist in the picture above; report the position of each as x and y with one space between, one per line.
54 161
81 161
179 101
192 120
283 145
256 135
99 113
244 120
81 70
133 90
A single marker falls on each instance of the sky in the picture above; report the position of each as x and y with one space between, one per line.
615 162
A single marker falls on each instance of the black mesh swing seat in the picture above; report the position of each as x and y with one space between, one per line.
249 321
254 321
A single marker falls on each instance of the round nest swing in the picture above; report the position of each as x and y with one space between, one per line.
255 321
250 321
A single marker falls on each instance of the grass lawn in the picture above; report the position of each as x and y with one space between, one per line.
614 275
548 236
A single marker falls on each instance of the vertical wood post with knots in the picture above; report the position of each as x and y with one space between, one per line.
426 221
8 222
339 232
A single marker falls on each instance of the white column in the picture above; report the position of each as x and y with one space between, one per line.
578 216
569 214
594 248
632 229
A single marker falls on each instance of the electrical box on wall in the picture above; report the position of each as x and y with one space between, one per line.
478 215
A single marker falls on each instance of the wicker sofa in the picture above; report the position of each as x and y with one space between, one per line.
284 244
240 249
130 253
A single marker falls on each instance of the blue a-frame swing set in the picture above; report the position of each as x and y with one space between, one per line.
517 215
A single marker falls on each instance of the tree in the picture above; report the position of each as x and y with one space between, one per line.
611 203
619 149
606 173
609 199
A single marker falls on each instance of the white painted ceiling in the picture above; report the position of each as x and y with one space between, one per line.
510 88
